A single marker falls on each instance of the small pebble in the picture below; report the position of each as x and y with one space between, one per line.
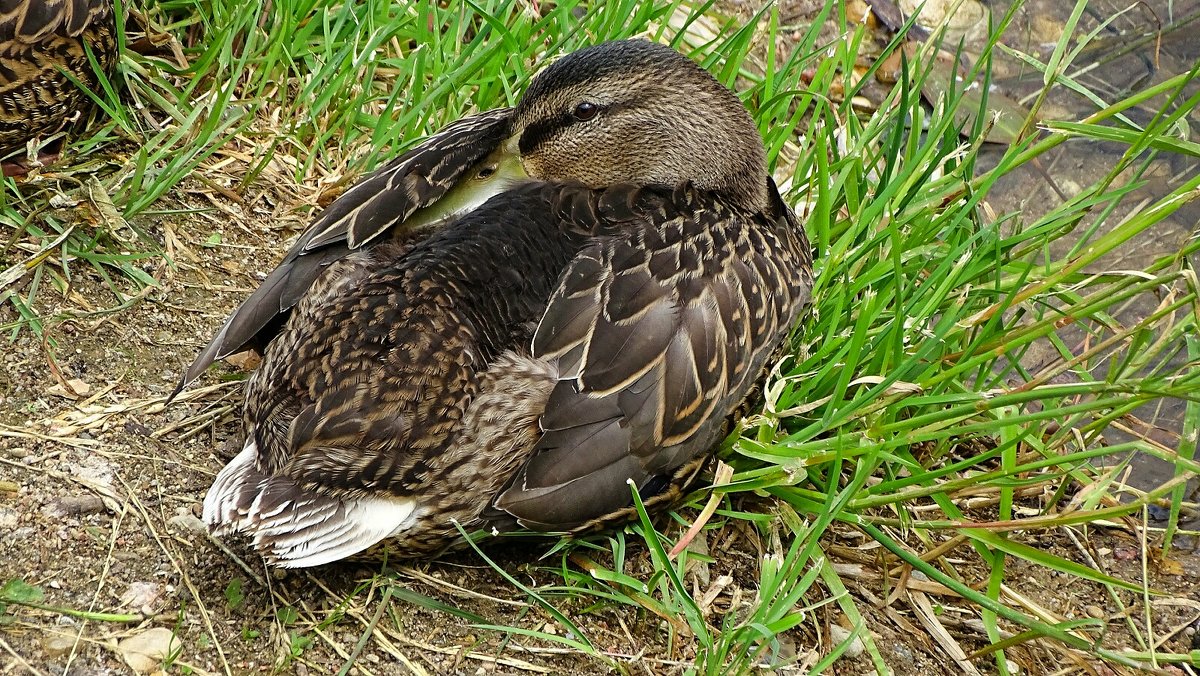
137 429
141 596
186 521
57 646
1094 611
838 635
145 651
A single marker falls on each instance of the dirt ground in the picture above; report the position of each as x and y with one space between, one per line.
100 489
99 498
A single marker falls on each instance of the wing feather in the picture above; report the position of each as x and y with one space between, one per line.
381 203
660 331
35 21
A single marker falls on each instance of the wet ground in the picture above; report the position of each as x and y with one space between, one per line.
1127 56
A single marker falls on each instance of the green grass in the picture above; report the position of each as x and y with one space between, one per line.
909 378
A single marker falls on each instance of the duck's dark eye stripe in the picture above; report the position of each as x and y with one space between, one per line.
541 131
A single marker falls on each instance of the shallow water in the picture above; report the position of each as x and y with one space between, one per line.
1127 56
1134 47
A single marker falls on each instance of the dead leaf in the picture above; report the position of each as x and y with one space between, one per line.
70 389
1169 566
146 651
247 360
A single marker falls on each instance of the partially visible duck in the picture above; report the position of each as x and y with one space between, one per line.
446 175
43 44
518 362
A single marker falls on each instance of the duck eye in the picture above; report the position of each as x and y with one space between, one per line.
585 111
485 172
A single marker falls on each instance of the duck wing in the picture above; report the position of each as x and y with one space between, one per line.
659 332
383 202
354 418
32 21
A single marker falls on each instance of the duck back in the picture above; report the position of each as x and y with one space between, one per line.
387 350
41 43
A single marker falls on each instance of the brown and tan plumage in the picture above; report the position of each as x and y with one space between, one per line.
449 173
43 44
520 361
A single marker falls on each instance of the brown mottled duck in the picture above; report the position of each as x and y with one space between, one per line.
43 45
508 326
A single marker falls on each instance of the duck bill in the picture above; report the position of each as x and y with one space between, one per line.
494 174
510 170
511 146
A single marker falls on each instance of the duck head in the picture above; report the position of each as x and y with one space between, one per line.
639 113
625 112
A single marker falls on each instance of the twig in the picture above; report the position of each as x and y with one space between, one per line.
455 589
928 617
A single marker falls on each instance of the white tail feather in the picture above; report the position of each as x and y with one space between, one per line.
293 526
220 504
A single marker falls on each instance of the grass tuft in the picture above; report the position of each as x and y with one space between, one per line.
966 385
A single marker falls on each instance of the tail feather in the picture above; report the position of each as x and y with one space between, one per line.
294 527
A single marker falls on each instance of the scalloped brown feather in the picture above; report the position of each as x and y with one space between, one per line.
521 365
39 40
658 333
374 210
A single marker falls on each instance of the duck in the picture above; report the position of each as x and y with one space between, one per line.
44 45
517 323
